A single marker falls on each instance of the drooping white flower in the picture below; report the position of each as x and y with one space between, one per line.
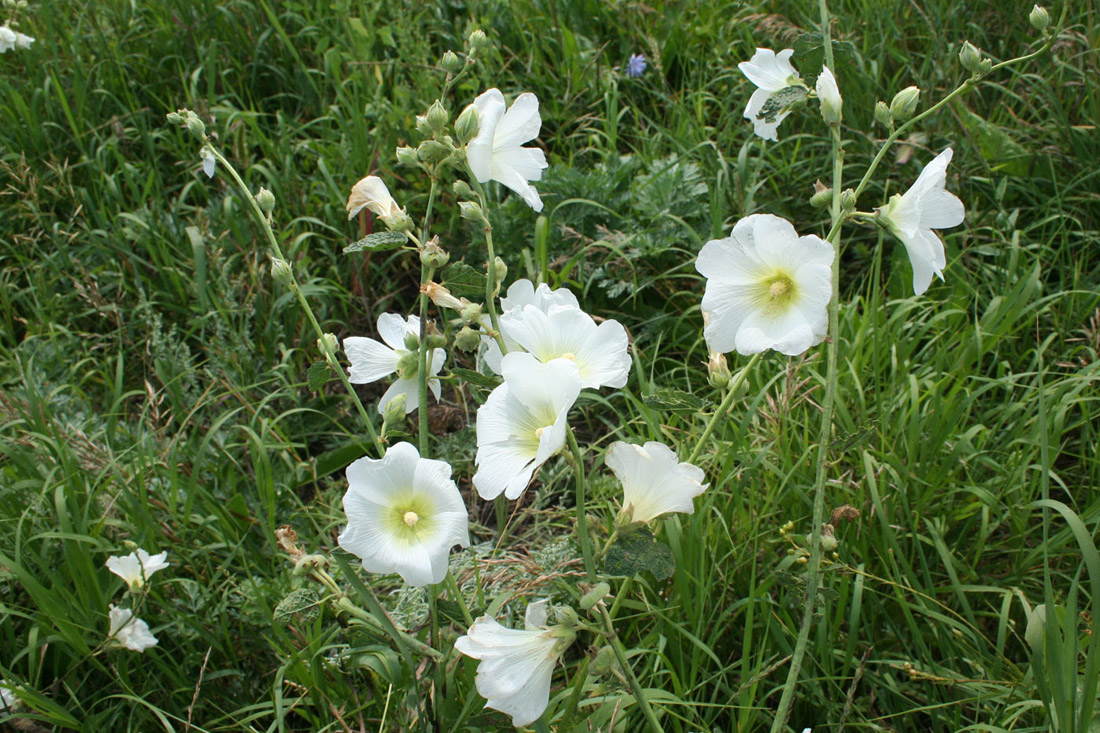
371 193
136 567
404 515
23 41
912 216
129 632
523 422
208 162
520 293
600 352
654 481
767 288
495 153
371 360
13 39
829 95
516 665
770 72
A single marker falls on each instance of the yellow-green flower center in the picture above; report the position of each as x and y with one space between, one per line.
776 292
409 517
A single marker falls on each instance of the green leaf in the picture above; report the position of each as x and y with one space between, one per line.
809 50
377 242
333 460
636 550
673 400
450 611
463 280
319 373
476 378
781 101
303 603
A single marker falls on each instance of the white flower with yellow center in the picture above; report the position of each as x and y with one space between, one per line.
654 481
404 515
516 665
129 632
520 293
136 567
495 154
371 360
912 216
523 422
771 72
767 288
564 332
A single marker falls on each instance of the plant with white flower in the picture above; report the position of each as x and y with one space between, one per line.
772 73
129 632
912 216
516 665
136 567
496 152
404 515
832 105
600 352
523 422
767 287
523 293
371 193
371 360
11 39
654 480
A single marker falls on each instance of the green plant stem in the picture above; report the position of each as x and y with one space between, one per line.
624 663
330 357
490 267
731 394
452 586
813 569
423 354
582 518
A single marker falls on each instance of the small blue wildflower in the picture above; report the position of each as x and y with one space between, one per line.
635 65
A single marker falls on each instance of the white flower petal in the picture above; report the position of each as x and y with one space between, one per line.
654 481
393 329
370 360
495 152
129 632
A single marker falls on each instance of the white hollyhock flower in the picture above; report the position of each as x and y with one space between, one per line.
516 665
523 422
404 515
829 95
520 293
767 288
136 567
371 193
129 632
23 41
371 360
654 481
495 153
770 72
913 215
564 332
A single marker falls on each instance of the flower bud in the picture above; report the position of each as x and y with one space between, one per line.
451 63
1039 18
970 56
477 41
718 371
466 126
598 592
462 189
174 118
280 270
467 339
823 196
328 344
882 115
432 255
848 201
433 338
437 117
904 104
984 67
500 270
412 342
308 563
567 616
422 125
195 125
829 94
406 155
395 411
602 662
433 151
471 210
470 312
265 200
